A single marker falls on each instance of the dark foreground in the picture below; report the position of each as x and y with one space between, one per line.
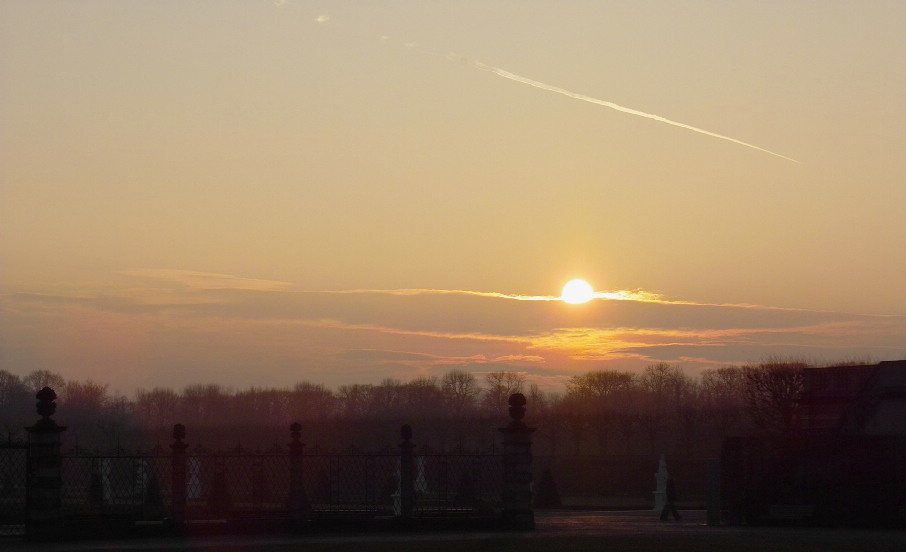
567 531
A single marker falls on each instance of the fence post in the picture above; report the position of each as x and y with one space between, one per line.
178 475
517 467
44 504
298 500
407 473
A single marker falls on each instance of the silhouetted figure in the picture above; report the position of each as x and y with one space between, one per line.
547 495
670 505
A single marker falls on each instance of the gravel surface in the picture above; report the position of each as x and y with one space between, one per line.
567 531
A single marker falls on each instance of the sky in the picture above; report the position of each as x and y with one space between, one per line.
266 192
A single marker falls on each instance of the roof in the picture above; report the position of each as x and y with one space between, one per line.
863 399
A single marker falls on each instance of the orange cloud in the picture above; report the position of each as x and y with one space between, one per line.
208 327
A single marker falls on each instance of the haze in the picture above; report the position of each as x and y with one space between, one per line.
235 192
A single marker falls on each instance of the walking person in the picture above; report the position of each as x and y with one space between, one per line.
670 505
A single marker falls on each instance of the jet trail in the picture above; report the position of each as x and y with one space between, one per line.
525 80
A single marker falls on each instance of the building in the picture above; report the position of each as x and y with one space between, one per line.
855 400
843 467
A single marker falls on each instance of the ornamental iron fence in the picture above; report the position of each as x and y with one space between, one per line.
49 494
13 459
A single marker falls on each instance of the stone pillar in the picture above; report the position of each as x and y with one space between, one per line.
298 500
178 475
714 506
517 468
407 474
44 505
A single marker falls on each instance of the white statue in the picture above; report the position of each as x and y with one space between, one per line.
660 491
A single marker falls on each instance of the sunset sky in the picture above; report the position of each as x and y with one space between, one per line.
264 192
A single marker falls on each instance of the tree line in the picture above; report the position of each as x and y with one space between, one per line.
601 412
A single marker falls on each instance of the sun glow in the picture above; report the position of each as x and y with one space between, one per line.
577 291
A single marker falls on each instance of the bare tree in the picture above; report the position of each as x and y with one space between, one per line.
500 385
689 408
87 395
422 398
723 394
387 399
539 402
203 404
13 391
460 390
15 403
309 401
773 391
156 407
40 379
260 403
662 389
600 384
605 397
572 415
354 400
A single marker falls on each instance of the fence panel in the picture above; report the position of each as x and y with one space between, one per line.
363 483
457 482
134 486
116 491
13 467
220 484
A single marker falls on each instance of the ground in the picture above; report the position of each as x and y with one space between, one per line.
560 531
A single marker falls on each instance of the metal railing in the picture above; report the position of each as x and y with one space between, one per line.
222 485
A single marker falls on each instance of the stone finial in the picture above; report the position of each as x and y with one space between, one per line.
46 408
46 405
406 432
179 434
517 408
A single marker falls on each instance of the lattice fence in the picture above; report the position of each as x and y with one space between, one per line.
13 467
222 485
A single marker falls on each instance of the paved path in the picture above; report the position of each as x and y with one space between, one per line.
557 531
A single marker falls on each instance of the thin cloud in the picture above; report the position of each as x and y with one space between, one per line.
637 295
335 324
622 295
205 280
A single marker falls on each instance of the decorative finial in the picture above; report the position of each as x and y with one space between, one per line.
517 407
179 434
46 405
296 445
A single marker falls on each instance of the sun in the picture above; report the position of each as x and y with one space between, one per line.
577 291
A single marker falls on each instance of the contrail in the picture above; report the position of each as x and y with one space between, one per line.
550 88
525 80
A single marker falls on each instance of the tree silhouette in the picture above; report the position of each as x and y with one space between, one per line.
773 391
